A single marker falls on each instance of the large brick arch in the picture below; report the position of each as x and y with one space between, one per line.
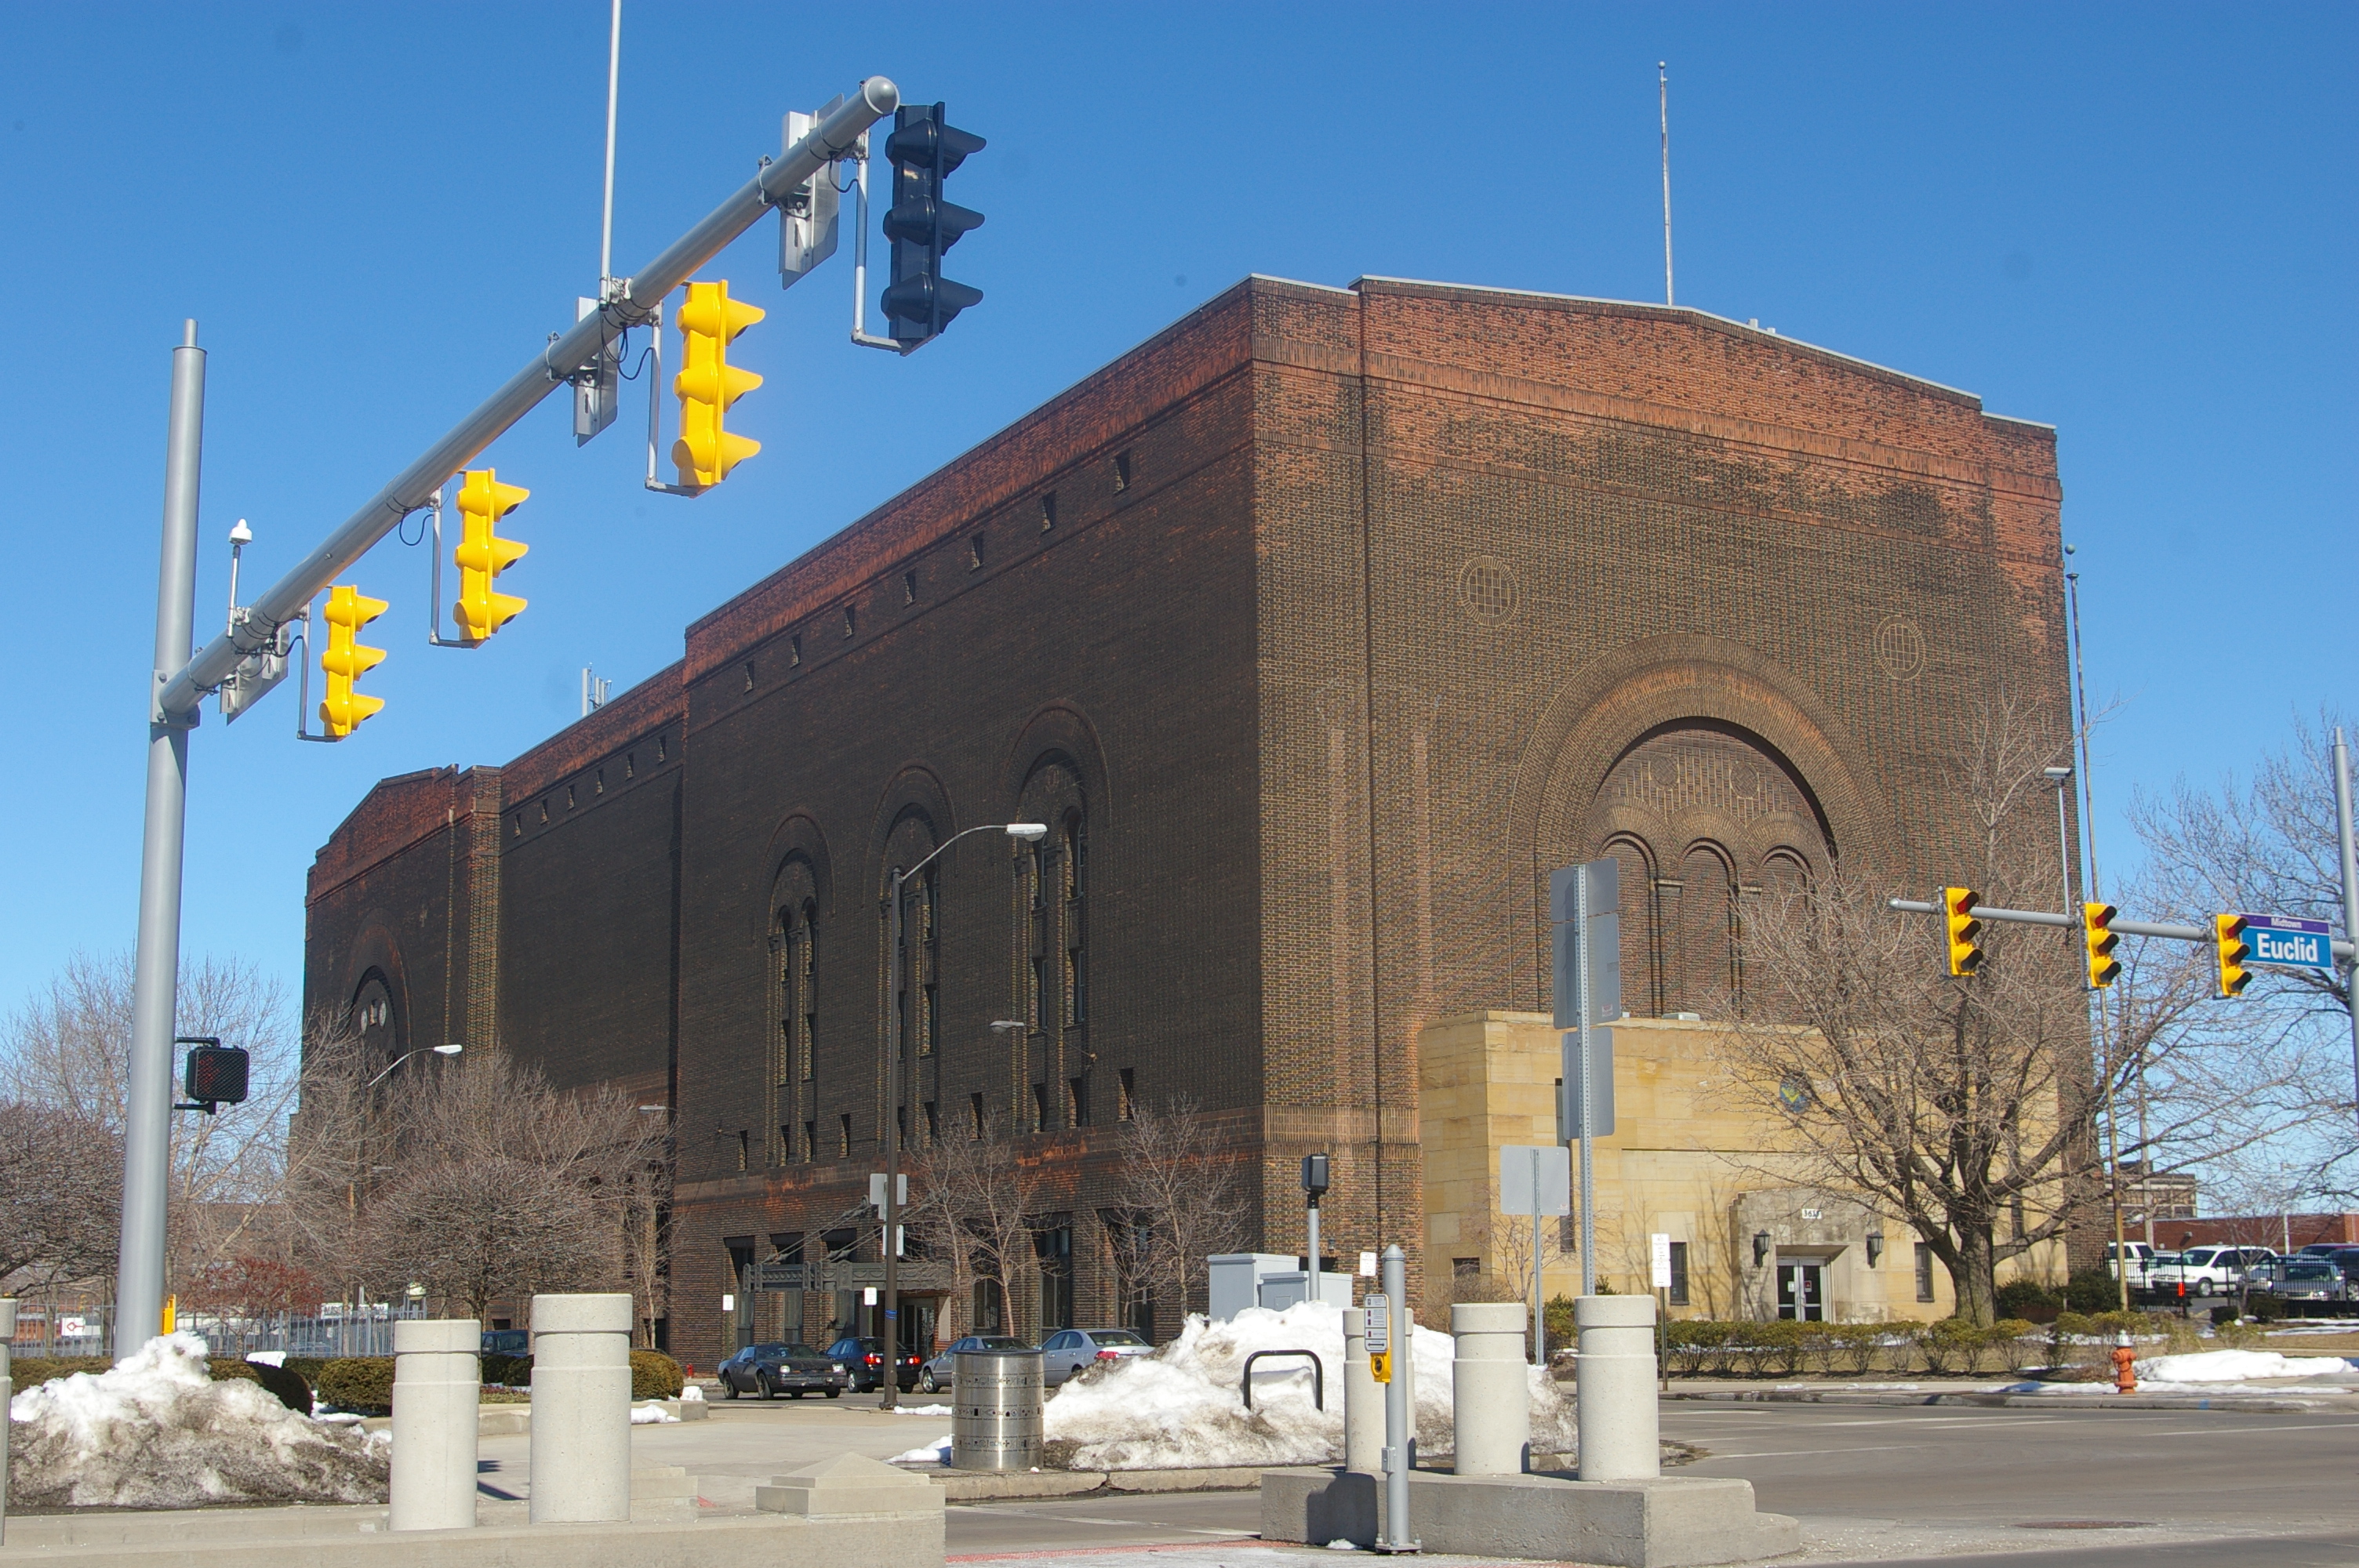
1058 732
1647 689
377 951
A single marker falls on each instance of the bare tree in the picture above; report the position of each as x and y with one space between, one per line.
974 1200
69 1050
1183 1194
1965 1105
60 1196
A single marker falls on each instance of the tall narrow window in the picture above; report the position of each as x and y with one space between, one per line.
1048 510
1121 473
1924 1271
1678 1288
843 1133
1077 1101
974 1116
927 958
1075 857
1128 1109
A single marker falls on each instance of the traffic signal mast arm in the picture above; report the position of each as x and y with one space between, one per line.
835 137
2202 934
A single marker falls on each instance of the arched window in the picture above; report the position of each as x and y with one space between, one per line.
1073 847
1707 928
1056 976
792 1091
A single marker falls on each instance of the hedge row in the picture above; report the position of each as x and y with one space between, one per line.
1781 1347
292 1390
364 1383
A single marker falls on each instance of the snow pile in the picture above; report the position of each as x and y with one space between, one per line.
937 1452
156 1432
1181 1408
2236 1367
652 1414
921 1410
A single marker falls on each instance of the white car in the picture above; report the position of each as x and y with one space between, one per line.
2204 1271
2139 1256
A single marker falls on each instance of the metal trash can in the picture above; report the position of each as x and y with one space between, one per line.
996 1400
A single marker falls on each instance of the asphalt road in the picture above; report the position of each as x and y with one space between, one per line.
2171 1488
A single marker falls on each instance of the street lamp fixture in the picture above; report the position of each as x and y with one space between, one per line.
1021 832
451 1050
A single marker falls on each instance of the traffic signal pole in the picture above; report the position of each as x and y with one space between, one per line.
148 1116
181 682
2347 853
574 350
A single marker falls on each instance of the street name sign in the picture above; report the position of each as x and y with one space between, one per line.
2290 943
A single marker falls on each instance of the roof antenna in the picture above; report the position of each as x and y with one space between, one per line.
1663 95
607 215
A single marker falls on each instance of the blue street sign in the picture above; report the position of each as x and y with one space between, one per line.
2290 943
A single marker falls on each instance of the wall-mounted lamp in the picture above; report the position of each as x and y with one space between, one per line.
1760 1247
1874 1248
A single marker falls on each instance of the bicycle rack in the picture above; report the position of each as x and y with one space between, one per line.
1318 1375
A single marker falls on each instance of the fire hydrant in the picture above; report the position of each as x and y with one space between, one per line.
2125 1366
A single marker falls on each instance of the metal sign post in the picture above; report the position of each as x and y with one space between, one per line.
1536 1179
1399 1430
1584 902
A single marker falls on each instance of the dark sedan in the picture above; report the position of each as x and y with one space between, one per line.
770 1370
943 1370
864 1360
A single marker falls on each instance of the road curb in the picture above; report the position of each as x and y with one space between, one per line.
990 1486
1992 1400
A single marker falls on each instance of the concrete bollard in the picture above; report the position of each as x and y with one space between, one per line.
7 1391
1363 1402
1620 1424
581 1409
437 1392
1490 1388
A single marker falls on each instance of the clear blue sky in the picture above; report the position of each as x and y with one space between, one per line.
2135 223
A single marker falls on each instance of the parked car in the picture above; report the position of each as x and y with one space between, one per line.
768 1370
2139 1255
2300 1279
2322 1248
862 1360
506 1342
1068 1350
937 1374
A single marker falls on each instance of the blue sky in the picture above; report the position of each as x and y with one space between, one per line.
2137 224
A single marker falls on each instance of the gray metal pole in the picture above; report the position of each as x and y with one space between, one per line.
1540 1316
1400 1429
1588 1173
1312 1295
892 1393
580 345
2350 856
147 1117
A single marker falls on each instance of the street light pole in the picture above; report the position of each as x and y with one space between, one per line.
451 1050
894 1047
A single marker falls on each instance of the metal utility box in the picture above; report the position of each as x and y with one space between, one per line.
1235 1280
1278 1292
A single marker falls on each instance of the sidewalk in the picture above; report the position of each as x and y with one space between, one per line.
2291 1395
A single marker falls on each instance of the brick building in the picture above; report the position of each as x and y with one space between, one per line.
1319 628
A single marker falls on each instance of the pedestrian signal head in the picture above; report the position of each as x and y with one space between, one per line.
345 660
2234 949
482 555
2099 938
708 322
1964 932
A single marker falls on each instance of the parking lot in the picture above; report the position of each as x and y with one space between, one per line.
1870 1483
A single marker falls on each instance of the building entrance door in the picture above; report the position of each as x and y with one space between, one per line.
1803 1292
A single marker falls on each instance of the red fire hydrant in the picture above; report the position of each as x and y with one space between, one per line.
2125 1367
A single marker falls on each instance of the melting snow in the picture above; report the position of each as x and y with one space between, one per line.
1182 1407
2237 1367
937 1452
155 1432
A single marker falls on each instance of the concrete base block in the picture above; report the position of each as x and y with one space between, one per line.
849 1484
662 1492
1669 1522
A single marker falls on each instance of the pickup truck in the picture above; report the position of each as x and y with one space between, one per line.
2139 1256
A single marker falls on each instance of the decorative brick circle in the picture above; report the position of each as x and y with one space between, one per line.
1899 647
1487 586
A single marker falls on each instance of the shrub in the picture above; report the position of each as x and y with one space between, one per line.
31 1371
654 1376
1953 1345
306 1367
1689 1341
1772 1348
509 1371
2093 1291
359 1383
2027 1299
1852 1347
1561 1328
2264 1306
2017 1342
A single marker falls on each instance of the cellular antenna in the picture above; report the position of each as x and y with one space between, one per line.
1663 100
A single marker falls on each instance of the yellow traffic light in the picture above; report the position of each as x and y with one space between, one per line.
482 555
345 660
708 384
2098 936
2233 951
1965 930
